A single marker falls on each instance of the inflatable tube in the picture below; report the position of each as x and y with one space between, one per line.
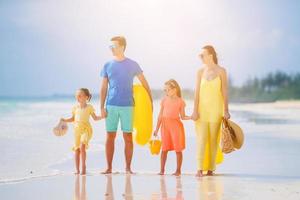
142 115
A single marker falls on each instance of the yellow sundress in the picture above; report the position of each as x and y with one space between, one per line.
211 106
83 131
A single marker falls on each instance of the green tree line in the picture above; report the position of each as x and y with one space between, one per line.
272 87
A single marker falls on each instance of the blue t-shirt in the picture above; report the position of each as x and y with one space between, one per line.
120 76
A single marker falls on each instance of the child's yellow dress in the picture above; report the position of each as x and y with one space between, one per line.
83 131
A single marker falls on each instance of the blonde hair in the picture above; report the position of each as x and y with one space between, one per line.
121 40
173 84
86 93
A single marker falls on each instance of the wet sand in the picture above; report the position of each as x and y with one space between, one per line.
95 186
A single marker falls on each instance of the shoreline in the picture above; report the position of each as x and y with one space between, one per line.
63 98
92 173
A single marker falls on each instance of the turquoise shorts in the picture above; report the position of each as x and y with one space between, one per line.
124 114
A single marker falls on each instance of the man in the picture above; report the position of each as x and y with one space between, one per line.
117 100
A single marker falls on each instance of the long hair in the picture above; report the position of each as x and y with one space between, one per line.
173 84
211 50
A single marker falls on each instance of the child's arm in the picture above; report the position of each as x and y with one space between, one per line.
71 119
183 116
95 117
159 120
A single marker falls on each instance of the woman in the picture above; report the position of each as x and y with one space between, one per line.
210 105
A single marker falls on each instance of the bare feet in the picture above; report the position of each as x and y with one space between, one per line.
108 171
76 172
128 171
83 171
199 173
210 173
177 173
161 173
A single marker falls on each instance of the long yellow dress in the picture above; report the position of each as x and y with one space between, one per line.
208 126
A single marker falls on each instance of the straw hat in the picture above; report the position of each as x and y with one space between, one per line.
60 129
238 138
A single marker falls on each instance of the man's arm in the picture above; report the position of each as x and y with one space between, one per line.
145 84
103 93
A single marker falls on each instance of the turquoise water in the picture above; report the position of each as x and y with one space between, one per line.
29 148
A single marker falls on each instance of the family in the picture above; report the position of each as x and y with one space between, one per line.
116 100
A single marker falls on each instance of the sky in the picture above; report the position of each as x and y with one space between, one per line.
54 47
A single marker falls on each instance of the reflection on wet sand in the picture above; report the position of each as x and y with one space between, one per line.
128 195
164 191
80 192
109 194
210 188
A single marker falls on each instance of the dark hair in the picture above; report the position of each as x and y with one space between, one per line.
173 84
211 50
86 92
121 40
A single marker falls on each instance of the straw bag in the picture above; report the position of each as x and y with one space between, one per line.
227 145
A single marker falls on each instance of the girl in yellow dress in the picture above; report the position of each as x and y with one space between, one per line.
210 105
83 131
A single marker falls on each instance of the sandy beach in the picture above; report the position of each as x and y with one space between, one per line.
94 186
267 167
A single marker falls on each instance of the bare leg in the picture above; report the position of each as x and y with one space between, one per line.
179 163
128 151
199 173
163 159
210 173
77 160
83 159
109 150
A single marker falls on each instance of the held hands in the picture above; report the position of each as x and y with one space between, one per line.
103 113
98 118
195 116
189 117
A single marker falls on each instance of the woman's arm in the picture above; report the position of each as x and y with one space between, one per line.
195 114
224 86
